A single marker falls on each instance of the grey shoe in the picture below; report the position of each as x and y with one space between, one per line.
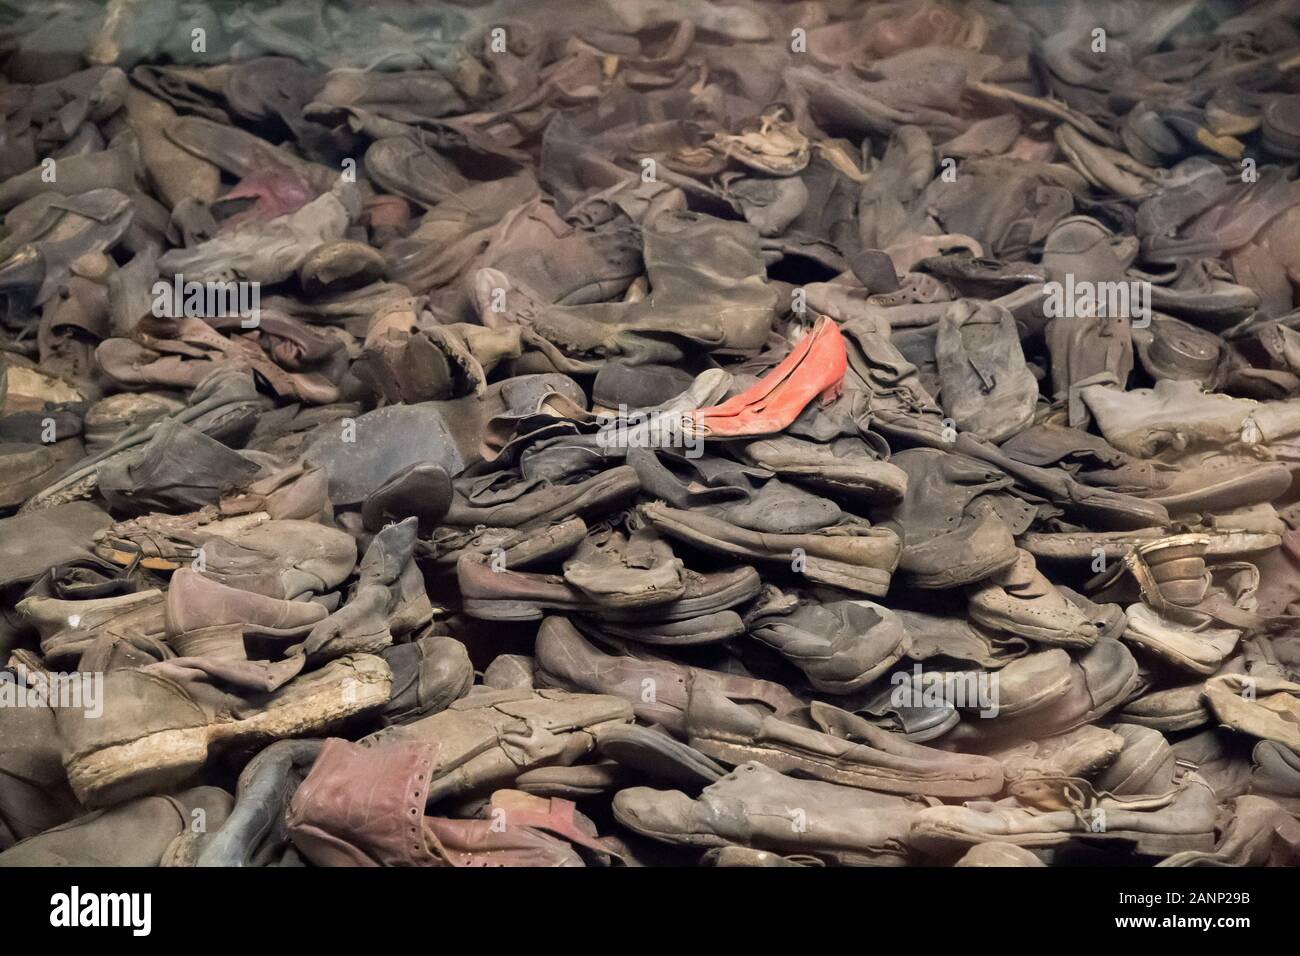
841 646
148 831
956 518
758 807
835 746
1161 824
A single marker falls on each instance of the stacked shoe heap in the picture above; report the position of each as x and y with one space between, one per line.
624 433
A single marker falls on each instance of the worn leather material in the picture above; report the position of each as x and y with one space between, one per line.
364 806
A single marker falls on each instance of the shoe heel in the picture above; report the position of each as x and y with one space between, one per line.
152 764
492 610
834 392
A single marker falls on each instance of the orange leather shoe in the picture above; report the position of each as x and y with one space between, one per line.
815 367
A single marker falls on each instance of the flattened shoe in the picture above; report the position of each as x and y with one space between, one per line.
835 746
659 756
841 646
853 556
148 831
1182 819
156 732
755 806
587 499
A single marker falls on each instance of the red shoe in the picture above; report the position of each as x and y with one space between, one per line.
815 367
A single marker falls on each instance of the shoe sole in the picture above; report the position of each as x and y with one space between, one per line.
1236 492
960 577
1051 546
648 635
737 592
489 609
1046 636
1146 844
163 759
665 836
736 754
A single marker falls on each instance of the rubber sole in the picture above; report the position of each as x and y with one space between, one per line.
686 608
1147 844
1236 492
160 760
736 754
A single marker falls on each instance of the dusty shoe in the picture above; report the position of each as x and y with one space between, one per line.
253 834
712 628
987 389
1181 819
840 645
1145 765
587 499
144 832
428 675
486 740
1259 833
272 251
1020 600
1080 752
157 731
954 519
656 754
1173 709
1102 678
703 596
1199 650
656 687
1028 683
389 599
835 746
1216 484
196 603
180 469
1177 566
284 558
1264 707
852 556
68 628
755 806
626 571
421 490
999 855
491 591
34 794
1275 773
845 466
1171 420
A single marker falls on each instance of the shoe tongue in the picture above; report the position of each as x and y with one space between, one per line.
640 550
1020 575
831 720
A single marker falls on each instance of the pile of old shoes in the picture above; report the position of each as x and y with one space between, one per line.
620 434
